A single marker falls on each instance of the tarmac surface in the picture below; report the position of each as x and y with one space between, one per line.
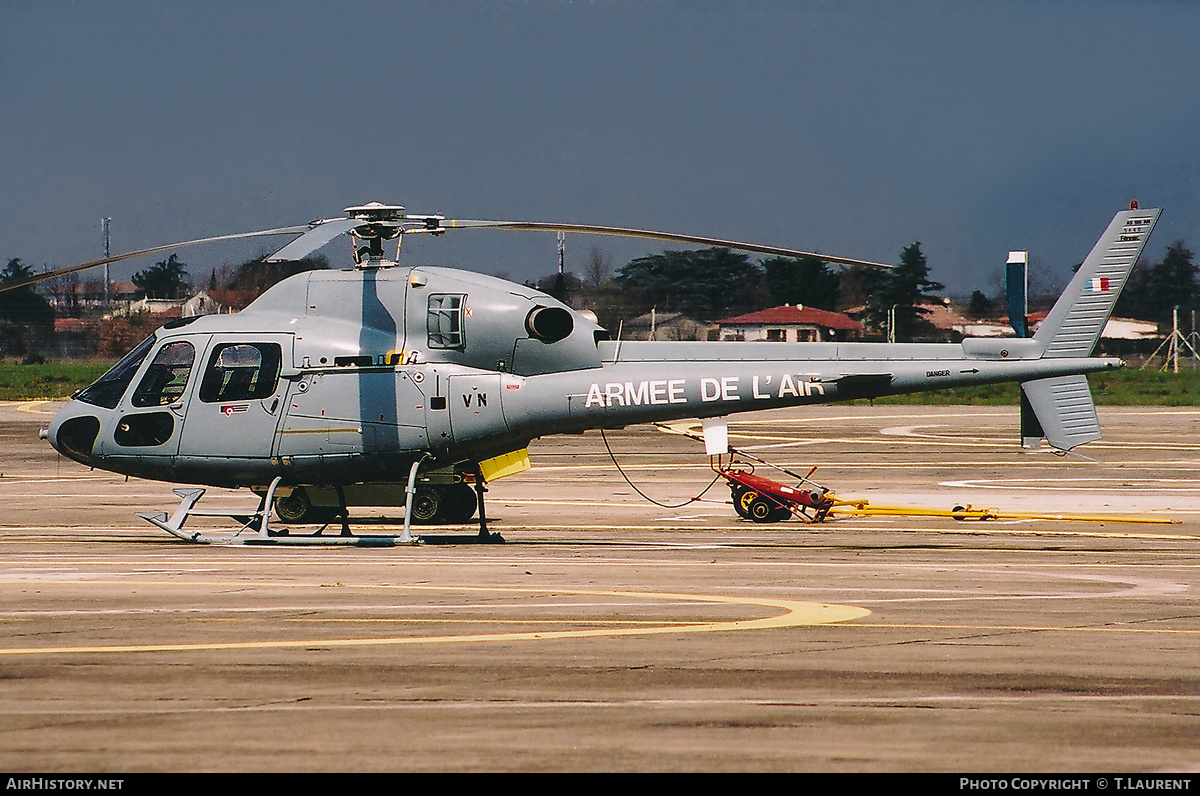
612 634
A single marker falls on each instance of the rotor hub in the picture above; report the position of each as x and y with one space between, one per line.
376 211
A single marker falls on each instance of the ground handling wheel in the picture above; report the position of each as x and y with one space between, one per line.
294 507
427 505
298 508
762 509
742 498
458 503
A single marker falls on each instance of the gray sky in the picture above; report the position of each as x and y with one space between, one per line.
852 128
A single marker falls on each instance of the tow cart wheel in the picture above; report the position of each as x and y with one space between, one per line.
955 512
742 498
427 505
762 510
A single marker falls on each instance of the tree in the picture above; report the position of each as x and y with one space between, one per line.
166 280
1174 281
562 286
980 306
26 318
598 269
857 285
906 287
600 293
805 280
707 284
1137 297
258 275
1153 290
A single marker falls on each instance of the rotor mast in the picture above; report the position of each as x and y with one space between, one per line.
381 223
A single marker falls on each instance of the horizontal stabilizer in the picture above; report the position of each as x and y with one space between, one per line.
1063 412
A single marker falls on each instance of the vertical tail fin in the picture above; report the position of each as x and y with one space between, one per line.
1061 409
1077 319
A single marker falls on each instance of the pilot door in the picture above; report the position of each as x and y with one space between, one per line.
235 407
151 414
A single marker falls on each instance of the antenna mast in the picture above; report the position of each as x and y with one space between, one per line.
560 281
104 222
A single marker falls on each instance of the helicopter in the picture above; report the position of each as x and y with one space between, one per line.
388 384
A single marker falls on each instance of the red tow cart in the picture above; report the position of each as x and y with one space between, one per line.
762 499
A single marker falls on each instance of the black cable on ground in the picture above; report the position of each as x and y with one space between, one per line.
643 494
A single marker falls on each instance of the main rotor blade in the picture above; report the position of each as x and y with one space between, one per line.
589 229
32 280
314 239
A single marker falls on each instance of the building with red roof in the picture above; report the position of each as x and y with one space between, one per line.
790 323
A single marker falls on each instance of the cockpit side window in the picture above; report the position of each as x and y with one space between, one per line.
445 320
107 390
167 375
241 371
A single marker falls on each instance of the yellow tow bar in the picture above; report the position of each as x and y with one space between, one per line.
864 509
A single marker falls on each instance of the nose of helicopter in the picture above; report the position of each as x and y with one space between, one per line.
73 431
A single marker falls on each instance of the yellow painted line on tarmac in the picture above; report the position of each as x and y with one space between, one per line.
1034 628
31 407
796 613
474 621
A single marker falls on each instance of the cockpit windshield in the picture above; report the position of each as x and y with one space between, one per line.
107 390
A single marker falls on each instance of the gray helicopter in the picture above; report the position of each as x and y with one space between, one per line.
385 384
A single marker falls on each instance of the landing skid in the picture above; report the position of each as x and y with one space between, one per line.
256 526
